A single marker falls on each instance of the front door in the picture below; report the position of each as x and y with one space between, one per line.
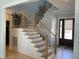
66 32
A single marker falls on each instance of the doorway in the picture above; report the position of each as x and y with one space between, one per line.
7 33
66 32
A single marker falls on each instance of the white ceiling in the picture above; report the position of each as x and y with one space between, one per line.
60 4
64 4
65 7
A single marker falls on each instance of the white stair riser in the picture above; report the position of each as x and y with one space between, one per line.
31 32
37 39
33 36
29 29
40 43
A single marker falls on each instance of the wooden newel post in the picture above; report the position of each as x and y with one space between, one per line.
46 39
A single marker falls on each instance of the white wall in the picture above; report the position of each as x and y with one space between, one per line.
76 38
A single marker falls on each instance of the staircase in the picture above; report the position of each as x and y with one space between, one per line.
38 42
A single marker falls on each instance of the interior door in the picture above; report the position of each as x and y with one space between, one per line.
66 31
7 32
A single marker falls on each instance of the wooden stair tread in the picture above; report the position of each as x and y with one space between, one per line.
34 37
36 41
31 34
40 43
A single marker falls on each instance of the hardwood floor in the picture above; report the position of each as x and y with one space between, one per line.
15 55
64 52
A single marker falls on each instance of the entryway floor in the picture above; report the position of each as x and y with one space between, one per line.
64 52
15 55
